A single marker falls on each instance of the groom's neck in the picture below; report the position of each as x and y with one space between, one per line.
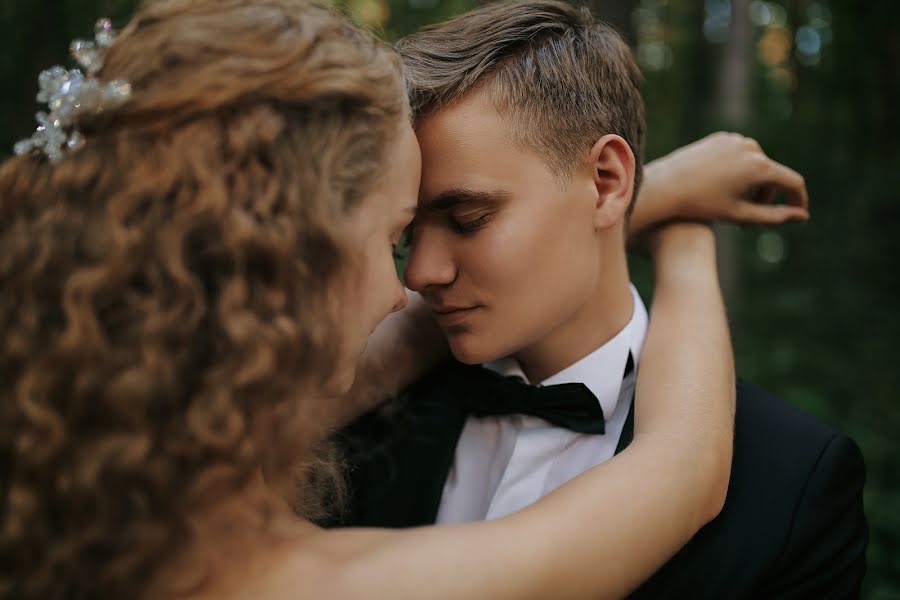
605 313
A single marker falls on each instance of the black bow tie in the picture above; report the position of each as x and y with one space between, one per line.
568 405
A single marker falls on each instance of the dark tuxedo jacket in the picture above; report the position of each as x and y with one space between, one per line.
792 525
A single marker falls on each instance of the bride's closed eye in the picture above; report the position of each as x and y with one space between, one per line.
400 251
400 248
406 238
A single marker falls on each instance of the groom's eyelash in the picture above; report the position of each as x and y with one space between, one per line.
471 225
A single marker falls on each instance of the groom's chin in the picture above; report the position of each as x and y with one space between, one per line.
471 349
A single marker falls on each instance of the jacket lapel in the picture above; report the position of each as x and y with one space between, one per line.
628 428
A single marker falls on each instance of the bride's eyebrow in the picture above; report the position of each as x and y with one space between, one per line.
453 197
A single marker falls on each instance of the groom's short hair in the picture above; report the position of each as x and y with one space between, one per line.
562 78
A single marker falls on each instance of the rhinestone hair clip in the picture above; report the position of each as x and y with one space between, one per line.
71 94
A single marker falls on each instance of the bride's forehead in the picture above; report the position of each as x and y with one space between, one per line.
404 164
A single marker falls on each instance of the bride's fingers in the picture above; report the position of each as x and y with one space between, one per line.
764 194
790 182
769 214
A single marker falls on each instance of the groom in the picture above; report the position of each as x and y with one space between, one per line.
530 123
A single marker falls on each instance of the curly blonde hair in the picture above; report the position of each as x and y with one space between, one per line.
167 290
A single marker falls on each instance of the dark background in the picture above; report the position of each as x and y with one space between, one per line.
817 82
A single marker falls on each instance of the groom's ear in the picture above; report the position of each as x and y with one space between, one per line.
612 165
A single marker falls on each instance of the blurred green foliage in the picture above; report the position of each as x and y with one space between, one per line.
812 307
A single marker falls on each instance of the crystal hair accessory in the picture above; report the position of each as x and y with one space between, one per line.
72 94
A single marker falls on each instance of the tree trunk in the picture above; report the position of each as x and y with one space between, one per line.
733 108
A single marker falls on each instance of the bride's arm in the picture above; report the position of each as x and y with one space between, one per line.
601 534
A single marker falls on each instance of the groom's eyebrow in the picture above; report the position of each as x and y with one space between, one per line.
453 197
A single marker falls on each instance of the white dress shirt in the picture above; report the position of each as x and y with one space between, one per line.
503 464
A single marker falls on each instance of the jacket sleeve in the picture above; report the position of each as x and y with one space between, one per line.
825 552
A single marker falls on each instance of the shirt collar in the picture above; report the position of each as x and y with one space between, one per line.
601 370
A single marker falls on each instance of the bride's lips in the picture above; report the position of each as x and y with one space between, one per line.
453 315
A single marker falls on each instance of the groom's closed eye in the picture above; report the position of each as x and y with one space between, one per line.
470 221
466 210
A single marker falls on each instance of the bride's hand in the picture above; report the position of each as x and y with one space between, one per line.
723 177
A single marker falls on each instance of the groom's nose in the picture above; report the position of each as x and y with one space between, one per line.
430 263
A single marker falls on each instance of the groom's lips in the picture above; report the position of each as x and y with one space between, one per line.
448 315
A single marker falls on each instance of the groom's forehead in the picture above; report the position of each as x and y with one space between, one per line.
469 121
466 151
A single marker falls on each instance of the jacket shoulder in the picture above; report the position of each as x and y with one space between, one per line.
782 456
775 437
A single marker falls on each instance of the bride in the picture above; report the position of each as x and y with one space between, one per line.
194 251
